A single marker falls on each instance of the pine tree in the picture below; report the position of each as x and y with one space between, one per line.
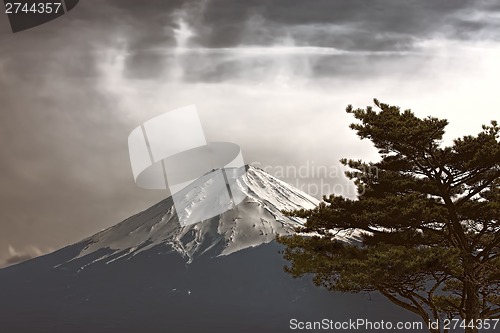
429 218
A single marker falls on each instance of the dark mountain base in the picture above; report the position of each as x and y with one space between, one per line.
157 292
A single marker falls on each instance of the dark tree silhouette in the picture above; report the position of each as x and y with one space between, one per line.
429 218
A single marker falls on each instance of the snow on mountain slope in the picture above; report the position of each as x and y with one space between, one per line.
256 220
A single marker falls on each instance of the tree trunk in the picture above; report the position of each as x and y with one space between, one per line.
471 304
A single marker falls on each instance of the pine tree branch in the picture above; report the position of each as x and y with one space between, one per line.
457 229
489 248
424 315
491 313
478 189
399 302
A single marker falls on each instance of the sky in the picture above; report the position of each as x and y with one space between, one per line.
274 77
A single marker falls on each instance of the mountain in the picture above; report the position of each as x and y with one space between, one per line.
256 220
151 274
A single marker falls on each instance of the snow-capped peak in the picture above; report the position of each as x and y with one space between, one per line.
256 220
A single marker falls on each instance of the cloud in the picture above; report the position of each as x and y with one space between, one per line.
16 256
272 77
223 36
65 167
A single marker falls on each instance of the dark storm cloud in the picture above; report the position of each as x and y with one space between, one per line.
350 25
215 68
143 26
148 28
368 25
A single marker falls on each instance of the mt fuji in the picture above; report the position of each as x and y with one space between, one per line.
257 220
150 274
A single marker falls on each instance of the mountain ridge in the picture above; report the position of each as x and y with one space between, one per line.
256 220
